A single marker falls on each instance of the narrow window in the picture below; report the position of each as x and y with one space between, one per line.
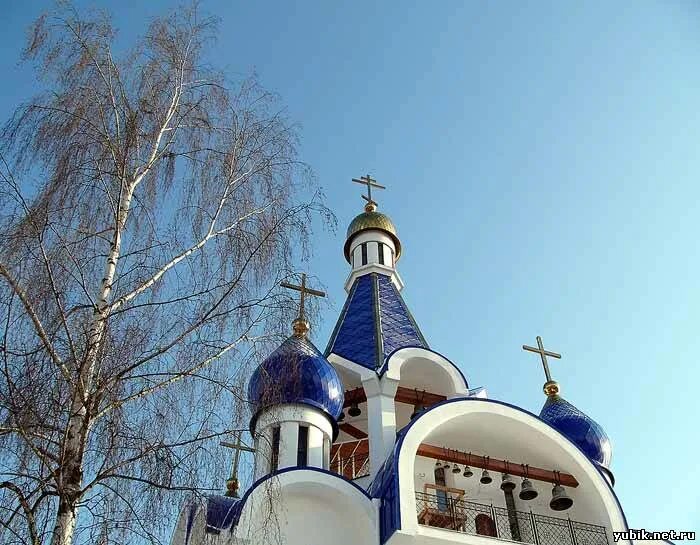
381 253
303 446
326 452
364 253
440 492
275 454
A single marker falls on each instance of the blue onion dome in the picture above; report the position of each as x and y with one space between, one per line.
297 373
579 428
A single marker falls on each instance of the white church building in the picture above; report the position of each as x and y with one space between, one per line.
380 440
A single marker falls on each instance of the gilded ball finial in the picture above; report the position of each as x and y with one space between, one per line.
301 327
551 388
232 487
371 207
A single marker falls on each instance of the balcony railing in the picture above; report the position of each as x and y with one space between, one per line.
351 467
442 511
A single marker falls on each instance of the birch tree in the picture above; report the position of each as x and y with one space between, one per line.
148 209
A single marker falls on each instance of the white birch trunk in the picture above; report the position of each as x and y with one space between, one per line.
71 476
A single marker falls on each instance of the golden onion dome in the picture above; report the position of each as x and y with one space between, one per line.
371 219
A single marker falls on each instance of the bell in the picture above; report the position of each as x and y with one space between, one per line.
485 477
560 501
438 464
467 471
527 491
455 469
341 417
417 409
354 410
446 465
507 482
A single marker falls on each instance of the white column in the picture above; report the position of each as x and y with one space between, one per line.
381 419
373 252
289 433
315 447
263 451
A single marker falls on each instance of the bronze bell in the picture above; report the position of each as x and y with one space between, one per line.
446 465
354 410
527 490
438 464
560 501
455 469
485 477
468 471
507 482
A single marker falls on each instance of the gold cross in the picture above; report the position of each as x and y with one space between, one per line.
370 183
543 354
304 290
238 446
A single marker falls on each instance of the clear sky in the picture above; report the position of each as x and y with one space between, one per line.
542 168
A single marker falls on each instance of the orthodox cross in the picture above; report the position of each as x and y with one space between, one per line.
370 183
238 446
543 354
304 291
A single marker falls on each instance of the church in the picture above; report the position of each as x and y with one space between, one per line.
381 440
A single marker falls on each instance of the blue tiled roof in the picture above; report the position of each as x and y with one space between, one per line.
223 512
374 322
297 373
579 428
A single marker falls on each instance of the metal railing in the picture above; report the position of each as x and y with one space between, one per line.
470 517
351 467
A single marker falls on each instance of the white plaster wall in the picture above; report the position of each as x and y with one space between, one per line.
492 493
424 369
308 508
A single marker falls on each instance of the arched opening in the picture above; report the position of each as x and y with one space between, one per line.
424 379
485 526
474 435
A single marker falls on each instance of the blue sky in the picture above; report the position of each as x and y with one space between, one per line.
542 168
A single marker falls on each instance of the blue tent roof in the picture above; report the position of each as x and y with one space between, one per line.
374 322
580 428
297 373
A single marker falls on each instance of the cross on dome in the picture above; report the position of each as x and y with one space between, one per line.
551 387
301 325
237 446
370 182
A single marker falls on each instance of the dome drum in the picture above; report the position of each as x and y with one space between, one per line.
371 221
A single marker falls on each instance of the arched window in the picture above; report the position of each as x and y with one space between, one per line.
485 526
